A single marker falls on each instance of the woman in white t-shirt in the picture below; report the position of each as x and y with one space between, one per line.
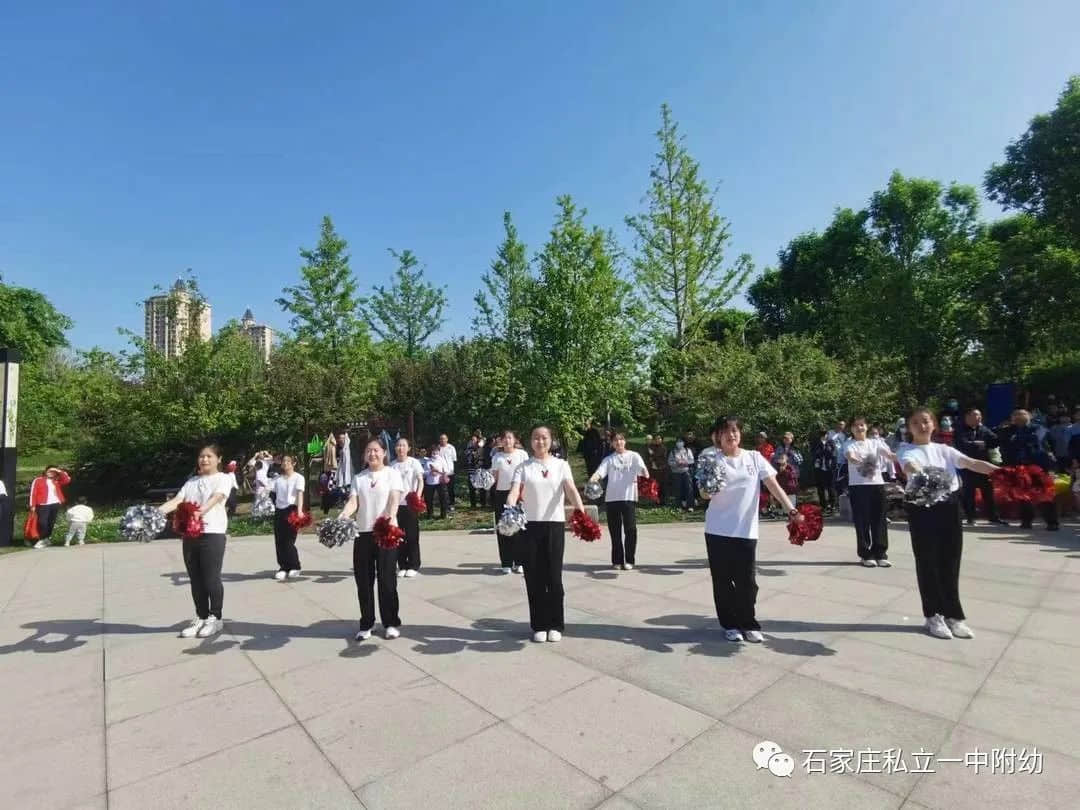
503 463
731 529
412 477
622 469
867 493
375 492
288 490
436 476
937 536
204 555
542 484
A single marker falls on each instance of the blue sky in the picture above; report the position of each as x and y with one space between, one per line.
140 139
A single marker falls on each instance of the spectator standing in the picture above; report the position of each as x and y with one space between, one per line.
79 517
1060 437
975 440
681 461
823 456
46 497
591 447
449 453
436 477
474 461
1022 445
658 464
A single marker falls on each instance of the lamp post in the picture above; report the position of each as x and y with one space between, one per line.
9 420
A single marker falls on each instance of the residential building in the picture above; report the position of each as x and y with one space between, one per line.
260 335
172 317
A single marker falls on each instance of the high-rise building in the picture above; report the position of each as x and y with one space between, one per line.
171 318
260 335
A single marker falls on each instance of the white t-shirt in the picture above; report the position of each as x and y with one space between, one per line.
412 474
285 489
437 466
733 511
863 449
80 513
933 455
53 495
201 488
542 495
450 454
622 471
262 478
372 491
503 466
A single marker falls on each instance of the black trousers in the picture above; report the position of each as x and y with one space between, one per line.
541 545
477 495
371 563
288 559
450 489
973 481
46 516
868 514
508 546
622 521
734 581
1027 514
937 541
203 557
409 550
826 489
430 493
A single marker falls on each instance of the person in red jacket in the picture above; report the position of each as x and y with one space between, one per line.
46 495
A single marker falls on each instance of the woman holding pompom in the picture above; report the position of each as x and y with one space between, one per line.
621 469
731 528
503 463
288 494
866 458
375 492
542 485
204 555
937 538
412 476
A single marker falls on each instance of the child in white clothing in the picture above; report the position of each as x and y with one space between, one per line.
79 517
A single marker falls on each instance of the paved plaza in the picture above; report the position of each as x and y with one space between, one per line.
642 704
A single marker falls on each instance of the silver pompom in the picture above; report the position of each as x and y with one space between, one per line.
335 532
511 521
481 479
262 508
711 473
142 523
594 490
927 487
868 467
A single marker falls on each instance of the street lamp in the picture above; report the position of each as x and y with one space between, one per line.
9 421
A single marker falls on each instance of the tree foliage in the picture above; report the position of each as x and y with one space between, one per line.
411 311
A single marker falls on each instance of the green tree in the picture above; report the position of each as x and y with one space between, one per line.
582 326
503 300
411 311
324 307
680 241
30 323
1041 172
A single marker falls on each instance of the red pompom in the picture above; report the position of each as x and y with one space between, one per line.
809 529
648 488
416 502
386 535
1028 483
298 521
186 523
584 526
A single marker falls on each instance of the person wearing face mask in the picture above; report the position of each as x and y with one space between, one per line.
937 536
621 469
681 461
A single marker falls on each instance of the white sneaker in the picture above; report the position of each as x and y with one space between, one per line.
280 576
294 574
869 564
518 569
959 628
540 635
401 573
40 544
628 567
554 635
733 635
363 635
412 572
82 542
935 626
506 570
67 543
210 627
392 632
754 636
192 629
884 564
616 568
